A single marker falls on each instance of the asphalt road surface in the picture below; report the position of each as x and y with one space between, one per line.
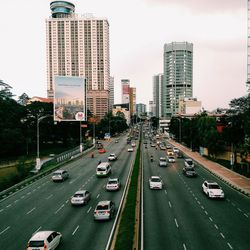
180 216
45 205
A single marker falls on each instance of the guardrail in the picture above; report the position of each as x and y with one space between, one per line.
59 160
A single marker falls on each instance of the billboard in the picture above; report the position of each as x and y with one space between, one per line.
69 98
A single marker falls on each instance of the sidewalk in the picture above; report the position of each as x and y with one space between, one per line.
235 180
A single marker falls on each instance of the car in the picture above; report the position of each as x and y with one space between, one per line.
169 146
112 157
188 163
44 240
155 182
189 172
212 189
105 210
60 175
133 144
162 162
162 147
153 145
171 159
176 150
80 197
113 184
102 150
103 169
130 149
170 152
179 155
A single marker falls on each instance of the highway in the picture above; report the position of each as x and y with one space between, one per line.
45 205
180 216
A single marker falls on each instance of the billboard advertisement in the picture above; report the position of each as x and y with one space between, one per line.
69 98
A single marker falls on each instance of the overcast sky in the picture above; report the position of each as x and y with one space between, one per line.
138 31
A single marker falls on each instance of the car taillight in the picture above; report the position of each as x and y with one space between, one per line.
106 212
45 246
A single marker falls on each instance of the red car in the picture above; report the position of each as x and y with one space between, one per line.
102 150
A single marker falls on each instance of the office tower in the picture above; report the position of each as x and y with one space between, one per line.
140 109
151 108
178 76
125 90
157 94
248 45
78 45
111 92
132 100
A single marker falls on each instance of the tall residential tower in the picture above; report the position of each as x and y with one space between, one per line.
79 46
178 75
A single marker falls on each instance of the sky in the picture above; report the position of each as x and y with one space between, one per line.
138 31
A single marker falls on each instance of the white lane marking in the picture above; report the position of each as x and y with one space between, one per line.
38 229
31 210
239 209
166 192
97 196
246 215
75 230
9 205
22 196
16 200
89 210
210 219
169 203
230 246
228 200
206 212
28 193
202 207
222 235
59 208
176 223
1 210
49 196
216 226
198 202
67 201
233 204
184 246
7 228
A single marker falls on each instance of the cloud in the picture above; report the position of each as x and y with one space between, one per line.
204 6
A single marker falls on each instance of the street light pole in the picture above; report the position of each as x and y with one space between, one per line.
38 160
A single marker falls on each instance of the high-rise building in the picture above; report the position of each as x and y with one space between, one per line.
151 108
111 92
125 90
132 100
141 109
78 45
248 44
157 94
178 76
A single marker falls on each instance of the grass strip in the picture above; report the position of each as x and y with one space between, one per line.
125 235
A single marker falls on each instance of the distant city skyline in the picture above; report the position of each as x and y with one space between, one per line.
217 29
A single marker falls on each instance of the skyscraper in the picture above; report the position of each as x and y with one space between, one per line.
157 94
125 90
111 92
132 100
79 46
178 75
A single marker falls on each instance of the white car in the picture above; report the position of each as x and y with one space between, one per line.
155 182
133 144
212 189
130 149
80 197
112 157
42 240
171 159
188 163
163 162
60 175
176 150
105 210
113 184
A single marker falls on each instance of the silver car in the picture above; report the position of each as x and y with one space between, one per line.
113 184
80 197
105 210
60 175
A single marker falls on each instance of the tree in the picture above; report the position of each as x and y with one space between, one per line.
5 91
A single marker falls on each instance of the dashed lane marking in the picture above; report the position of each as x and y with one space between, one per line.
230 246
31 210
75 230
222 235
176 223
7 228
89 210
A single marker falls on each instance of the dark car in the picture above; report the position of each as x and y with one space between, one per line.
179 154
189 172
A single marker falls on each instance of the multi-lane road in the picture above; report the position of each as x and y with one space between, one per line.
45 205
180 216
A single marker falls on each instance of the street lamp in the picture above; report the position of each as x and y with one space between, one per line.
38 160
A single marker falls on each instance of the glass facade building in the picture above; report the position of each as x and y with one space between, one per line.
178 76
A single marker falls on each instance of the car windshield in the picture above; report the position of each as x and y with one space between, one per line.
112 154
214 186
189 162
112 182
36 243
102 207
162 159
79 195
101 169
56 174
155 180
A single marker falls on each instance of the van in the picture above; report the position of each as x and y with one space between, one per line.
103 169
